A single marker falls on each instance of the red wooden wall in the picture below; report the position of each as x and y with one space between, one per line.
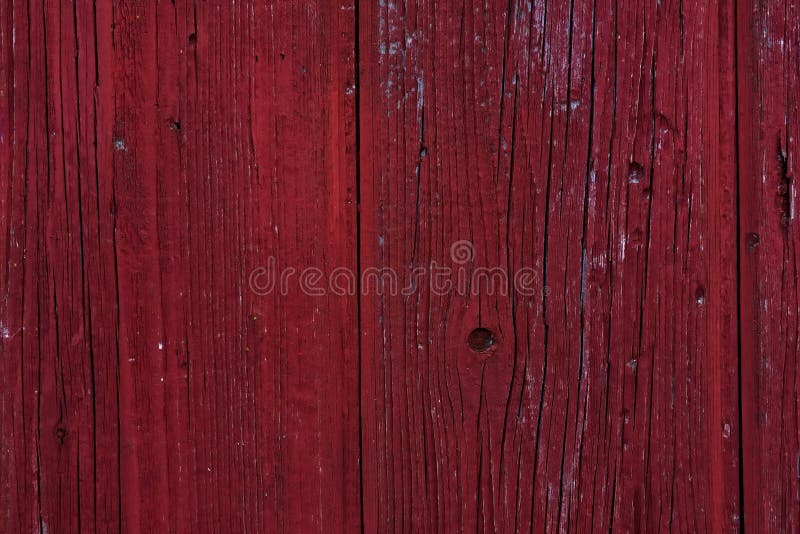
637 159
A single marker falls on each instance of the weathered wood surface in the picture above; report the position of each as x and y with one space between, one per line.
154 153
635 159
768 61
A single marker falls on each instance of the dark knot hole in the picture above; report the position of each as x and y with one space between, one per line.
481 339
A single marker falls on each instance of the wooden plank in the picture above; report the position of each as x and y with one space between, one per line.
768 104
591 142
265 386
574 225
153 155
59 423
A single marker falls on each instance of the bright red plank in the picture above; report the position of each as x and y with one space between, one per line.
153 155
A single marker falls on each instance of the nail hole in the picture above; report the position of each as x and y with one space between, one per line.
481 339
193 38
635 172
752 240
700 295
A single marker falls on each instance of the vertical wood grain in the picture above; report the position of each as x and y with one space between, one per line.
636 158
592 142
768 104
153 155
59 396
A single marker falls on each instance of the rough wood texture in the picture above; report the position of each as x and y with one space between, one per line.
153 154
592 142
636 158
769 96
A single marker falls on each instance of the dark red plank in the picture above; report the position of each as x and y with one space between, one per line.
59 423
594 144
768 104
